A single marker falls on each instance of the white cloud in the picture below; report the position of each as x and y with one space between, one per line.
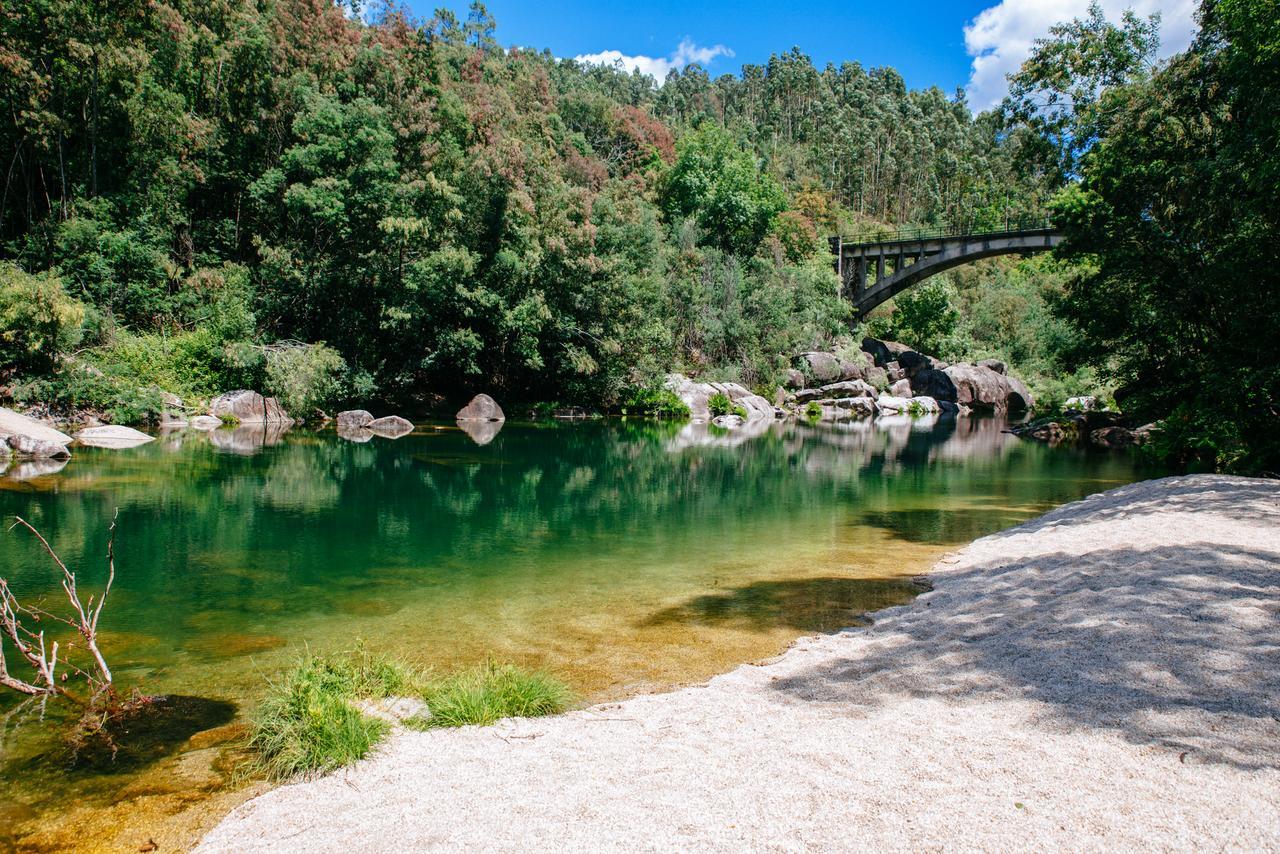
1001 37
658 67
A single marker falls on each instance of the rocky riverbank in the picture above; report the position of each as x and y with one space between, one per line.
1098 677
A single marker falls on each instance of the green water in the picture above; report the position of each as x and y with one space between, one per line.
622 556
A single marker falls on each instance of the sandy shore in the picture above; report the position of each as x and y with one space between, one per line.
1106 675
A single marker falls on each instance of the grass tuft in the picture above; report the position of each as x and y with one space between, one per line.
490 692
309 723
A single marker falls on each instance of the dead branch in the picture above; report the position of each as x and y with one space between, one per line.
31 645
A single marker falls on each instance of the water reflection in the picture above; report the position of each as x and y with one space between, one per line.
481 432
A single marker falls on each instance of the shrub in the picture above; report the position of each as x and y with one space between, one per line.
490 692
37 319
121 400
654 402
812 410
304 376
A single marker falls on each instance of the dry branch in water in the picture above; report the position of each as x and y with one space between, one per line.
31 645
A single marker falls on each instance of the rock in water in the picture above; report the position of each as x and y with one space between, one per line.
391 427
980 388
481 408
206 422
354 419
37 449
113 436
936 384
248 407
1020 397
16 424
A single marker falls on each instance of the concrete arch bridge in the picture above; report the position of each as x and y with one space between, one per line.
874 271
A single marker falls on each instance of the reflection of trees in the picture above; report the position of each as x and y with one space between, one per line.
292 526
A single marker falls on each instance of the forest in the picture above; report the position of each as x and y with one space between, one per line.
339 205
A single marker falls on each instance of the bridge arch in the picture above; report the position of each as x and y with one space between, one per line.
908 258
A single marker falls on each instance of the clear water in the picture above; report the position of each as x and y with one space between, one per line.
622 556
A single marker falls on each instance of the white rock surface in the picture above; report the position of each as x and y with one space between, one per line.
112 436
16 424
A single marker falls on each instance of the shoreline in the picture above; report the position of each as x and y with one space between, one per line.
1096 674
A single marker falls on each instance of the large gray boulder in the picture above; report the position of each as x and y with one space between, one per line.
883 352
936 384
978 387
823 367
248 407
36 449
902 388
793 379
393 426
994 364
354 419
481 408
890 405
16 424
913 363
112 436
1020 398
697 395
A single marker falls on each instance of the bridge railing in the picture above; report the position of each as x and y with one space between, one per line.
904 235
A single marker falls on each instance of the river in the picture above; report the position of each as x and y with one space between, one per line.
623 556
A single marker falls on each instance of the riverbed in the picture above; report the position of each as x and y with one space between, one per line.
625 557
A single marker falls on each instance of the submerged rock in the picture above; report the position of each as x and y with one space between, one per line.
113 436
481 408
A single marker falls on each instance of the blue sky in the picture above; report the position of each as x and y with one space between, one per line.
948 43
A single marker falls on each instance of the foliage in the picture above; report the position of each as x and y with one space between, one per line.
304 377
80 387
37 319
812 410
655 402
720 404
923 318
1175 222
490 692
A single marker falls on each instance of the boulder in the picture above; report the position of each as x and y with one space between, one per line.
728 421
1113 437
935 384
824 367
978 387
793 379
924 405
393 426
913 363
860 406
206 422
902 388
112 436
696 396
248 407
16 424
849 388
852 370
1020 398
481 408
779 397
994 364
354 419
877 377
890 405
36 449
883 352
895 372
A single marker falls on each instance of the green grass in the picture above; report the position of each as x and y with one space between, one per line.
310 722
490 692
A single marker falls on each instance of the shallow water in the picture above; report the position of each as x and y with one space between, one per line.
622 556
